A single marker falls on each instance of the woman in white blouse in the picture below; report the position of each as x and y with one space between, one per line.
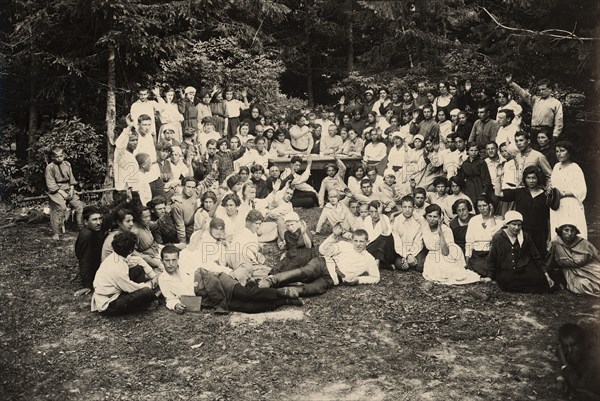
482 228
170 117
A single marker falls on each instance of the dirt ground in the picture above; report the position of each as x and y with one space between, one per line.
403 339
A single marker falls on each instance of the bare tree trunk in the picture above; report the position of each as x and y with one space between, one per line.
33 116
349 37
309 80
111 117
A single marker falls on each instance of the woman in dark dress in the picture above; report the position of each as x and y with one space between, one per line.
462 209
514 261
530 201
475 174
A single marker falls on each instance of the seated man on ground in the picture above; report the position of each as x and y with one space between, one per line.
408 237
305 195
114 292
333 181
212 253
218 290
342 263
246 249
88 247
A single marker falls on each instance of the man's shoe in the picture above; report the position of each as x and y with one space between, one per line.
294 302
289 292
265 282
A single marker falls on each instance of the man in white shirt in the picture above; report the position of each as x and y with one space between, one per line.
332 142
125 165
218 290
507 130
145 139
114 292
505 102
408 237
245 249
341 263
147 107
234 108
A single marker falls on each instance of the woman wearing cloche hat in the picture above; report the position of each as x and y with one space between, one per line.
514 260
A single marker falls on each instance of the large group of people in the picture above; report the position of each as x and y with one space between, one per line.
450 183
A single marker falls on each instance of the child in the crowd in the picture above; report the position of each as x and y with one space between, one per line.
334 212
61 191
227 158
388 190
333 181
297 244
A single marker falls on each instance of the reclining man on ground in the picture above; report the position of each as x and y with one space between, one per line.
342 263
218 290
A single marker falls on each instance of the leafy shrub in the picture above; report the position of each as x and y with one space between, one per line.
83 146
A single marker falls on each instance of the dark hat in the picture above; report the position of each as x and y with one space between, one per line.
553 199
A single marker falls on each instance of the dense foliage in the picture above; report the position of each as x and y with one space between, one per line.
56 54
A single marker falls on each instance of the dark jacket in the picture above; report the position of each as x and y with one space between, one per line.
216 290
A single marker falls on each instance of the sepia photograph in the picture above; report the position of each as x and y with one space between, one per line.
304 200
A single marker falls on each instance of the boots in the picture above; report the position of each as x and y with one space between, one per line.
280 279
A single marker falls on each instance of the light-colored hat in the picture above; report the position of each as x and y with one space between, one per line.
176 150
512 215
268 127
454 112
189 89
419 136
396 134
369 91
389 171
291 216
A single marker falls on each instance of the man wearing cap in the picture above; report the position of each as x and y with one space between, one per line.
515 262
342 263
187 107
147 107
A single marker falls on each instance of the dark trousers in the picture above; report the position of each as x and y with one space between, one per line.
137 274
314 275
254 299
420 260
130 302
478 263
233 124
304 199
382 249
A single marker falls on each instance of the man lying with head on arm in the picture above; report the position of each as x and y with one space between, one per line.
342 263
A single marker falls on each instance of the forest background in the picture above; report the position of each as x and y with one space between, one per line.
70 69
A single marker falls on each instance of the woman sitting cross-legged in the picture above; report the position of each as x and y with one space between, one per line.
578 259
515 261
